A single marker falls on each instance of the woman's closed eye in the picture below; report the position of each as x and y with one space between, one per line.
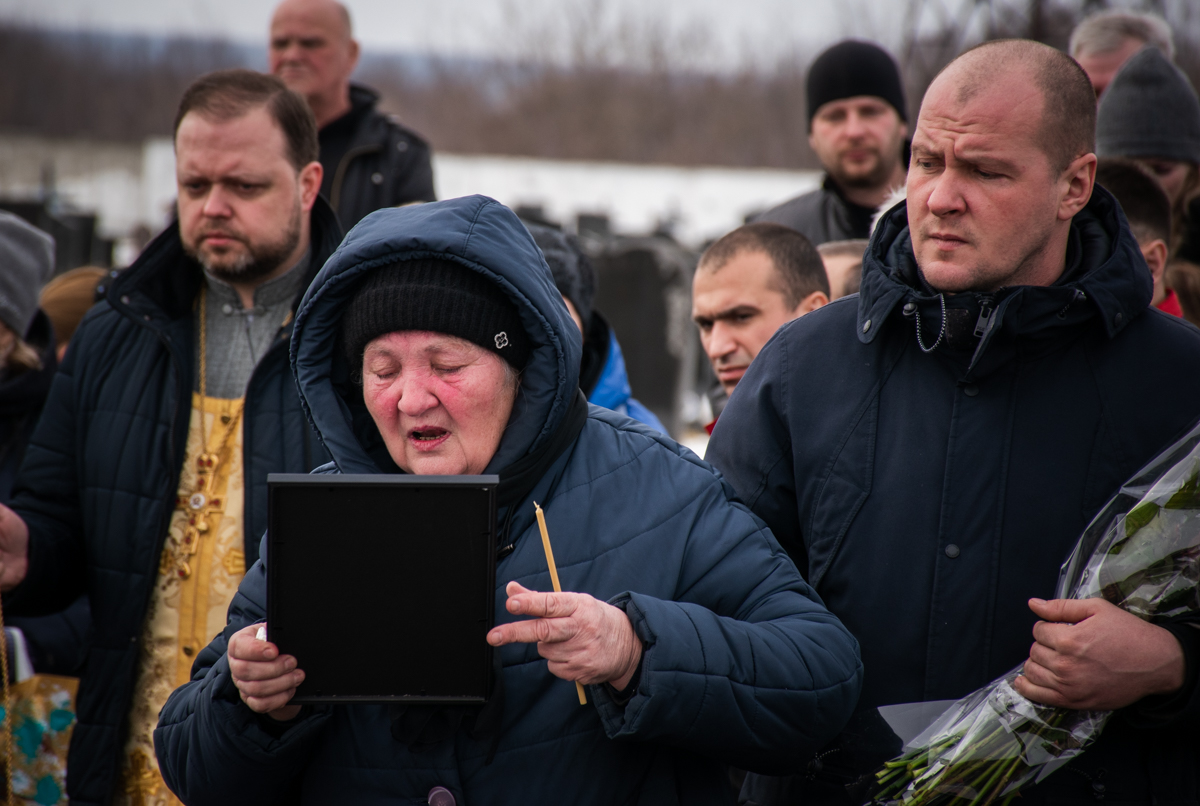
383 371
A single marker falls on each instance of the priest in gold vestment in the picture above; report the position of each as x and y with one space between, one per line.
145 483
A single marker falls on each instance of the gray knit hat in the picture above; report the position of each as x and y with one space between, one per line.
1149 110
26 263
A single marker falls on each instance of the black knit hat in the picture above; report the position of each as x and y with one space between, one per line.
439 296
853 68
572 270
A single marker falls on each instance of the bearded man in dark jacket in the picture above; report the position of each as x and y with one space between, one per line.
857 126
145 482
370 160
930 452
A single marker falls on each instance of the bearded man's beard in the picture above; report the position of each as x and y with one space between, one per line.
253 262
877 176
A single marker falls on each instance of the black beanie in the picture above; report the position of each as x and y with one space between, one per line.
439 296
854 68
572 270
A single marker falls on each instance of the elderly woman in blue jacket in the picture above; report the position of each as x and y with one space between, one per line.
435 342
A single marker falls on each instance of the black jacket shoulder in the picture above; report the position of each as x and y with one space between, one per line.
386 164
820 215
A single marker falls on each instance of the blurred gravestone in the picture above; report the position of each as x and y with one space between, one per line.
644 289
76 242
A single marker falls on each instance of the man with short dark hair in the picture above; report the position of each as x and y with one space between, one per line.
370 160
1104 41
748 284
858 126
931 454
145 482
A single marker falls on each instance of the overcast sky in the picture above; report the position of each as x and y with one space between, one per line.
763 28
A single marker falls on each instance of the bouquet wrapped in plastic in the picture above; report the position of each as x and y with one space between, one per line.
1142 553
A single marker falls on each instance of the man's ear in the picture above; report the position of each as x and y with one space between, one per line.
355 51
1155 253
1076 183
810 303
310 184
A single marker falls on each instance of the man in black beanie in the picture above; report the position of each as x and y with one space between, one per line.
858 127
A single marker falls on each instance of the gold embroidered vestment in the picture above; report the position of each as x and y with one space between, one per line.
201 566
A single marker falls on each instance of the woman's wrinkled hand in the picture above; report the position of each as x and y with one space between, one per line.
583 639
265 679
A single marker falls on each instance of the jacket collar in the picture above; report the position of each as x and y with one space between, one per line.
155 289
362 98
1105 269
362 103
611 387
858 217
595 353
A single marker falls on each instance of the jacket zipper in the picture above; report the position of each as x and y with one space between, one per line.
986 314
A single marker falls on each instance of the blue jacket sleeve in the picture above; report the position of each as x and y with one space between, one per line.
205 726
746 665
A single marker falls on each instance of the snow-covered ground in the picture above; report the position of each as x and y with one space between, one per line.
701 203
131 186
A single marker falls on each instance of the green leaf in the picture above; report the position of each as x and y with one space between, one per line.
1137 518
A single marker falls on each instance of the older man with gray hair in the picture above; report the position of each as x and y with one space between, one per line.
1106 40
370 161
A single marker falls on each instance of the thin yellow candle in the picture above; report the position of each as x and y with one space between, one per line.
541 519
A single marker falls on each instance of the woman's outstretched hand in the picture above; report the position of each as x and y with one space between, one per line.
583 638
265 679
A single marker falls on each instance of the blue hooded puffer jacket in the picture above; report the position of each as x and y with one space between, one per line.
742 662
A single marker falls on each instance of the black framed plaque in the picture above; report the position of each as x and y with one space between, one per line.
383 586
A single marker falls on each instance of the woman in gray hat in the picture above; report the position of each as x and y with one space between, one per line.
1151 114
